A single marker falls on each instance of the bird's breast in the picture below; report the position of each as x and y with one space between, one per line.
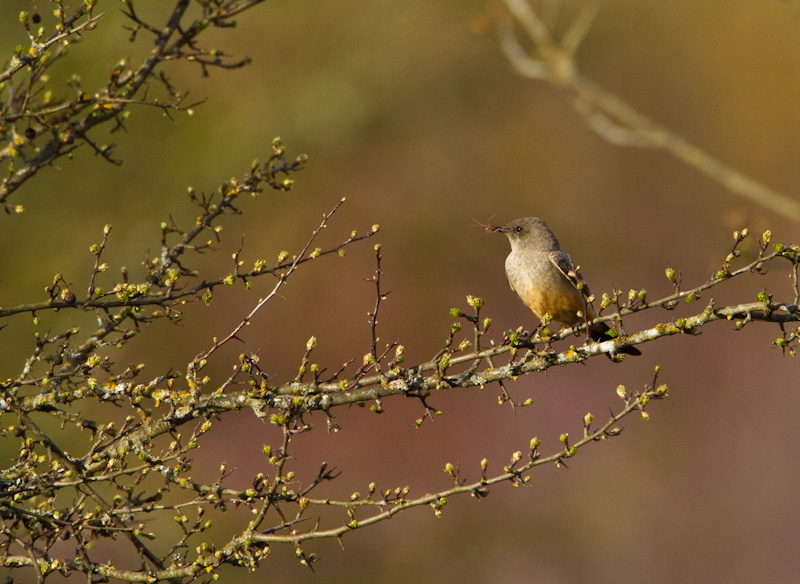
543 288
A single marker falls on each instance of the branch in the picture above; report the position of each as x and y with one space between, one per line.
120 458
69 123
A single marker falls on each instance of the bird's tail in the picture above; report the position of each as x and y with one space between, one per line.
597 332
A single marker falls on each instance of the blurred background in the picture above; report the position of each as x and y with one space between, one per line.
412 112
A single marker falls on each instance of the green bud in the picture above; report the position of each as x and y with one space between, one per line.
475 302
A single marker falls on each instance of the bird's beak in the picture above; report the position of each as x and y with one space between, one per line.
498 229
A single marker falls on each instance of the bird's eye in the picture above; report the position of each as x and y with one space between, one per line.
519 229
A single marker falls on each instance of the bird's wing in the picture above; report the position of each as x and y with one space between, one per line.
564 264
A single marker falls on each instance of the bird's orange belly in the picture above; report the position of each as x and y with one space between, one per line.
562 304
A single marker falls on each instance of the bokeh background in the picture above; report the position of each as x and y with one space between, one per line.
412 112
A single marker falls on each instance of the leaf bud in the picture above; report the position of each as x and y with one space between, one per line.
475 301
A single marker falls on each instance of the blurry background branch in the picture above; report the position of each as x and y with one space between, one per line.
606 113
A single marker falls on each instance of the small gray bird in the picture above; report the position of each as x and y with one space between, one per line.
545 279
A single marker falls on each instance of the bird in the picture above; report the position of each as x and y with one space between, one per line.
546 280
